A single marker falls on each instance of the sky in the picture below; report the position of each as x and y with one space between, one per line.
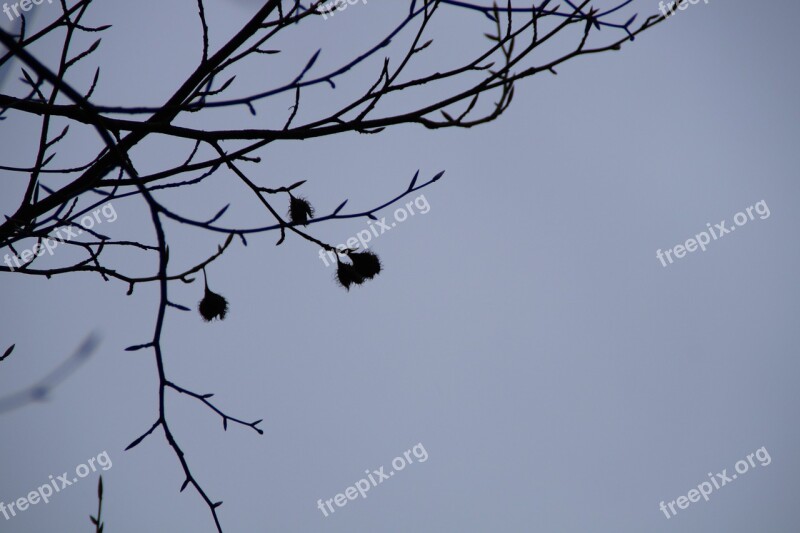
525 347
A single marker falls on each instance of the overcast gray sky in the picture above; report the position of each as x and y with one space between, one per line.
524 332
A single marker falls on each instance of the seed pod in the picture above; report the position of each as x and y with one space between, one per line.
367 264
300 210
347 274
213 306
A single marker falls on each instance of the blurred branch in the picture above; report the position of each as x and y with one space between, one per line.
41 390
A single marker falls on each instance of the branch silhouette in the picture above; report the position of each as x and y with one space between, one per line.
515 51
